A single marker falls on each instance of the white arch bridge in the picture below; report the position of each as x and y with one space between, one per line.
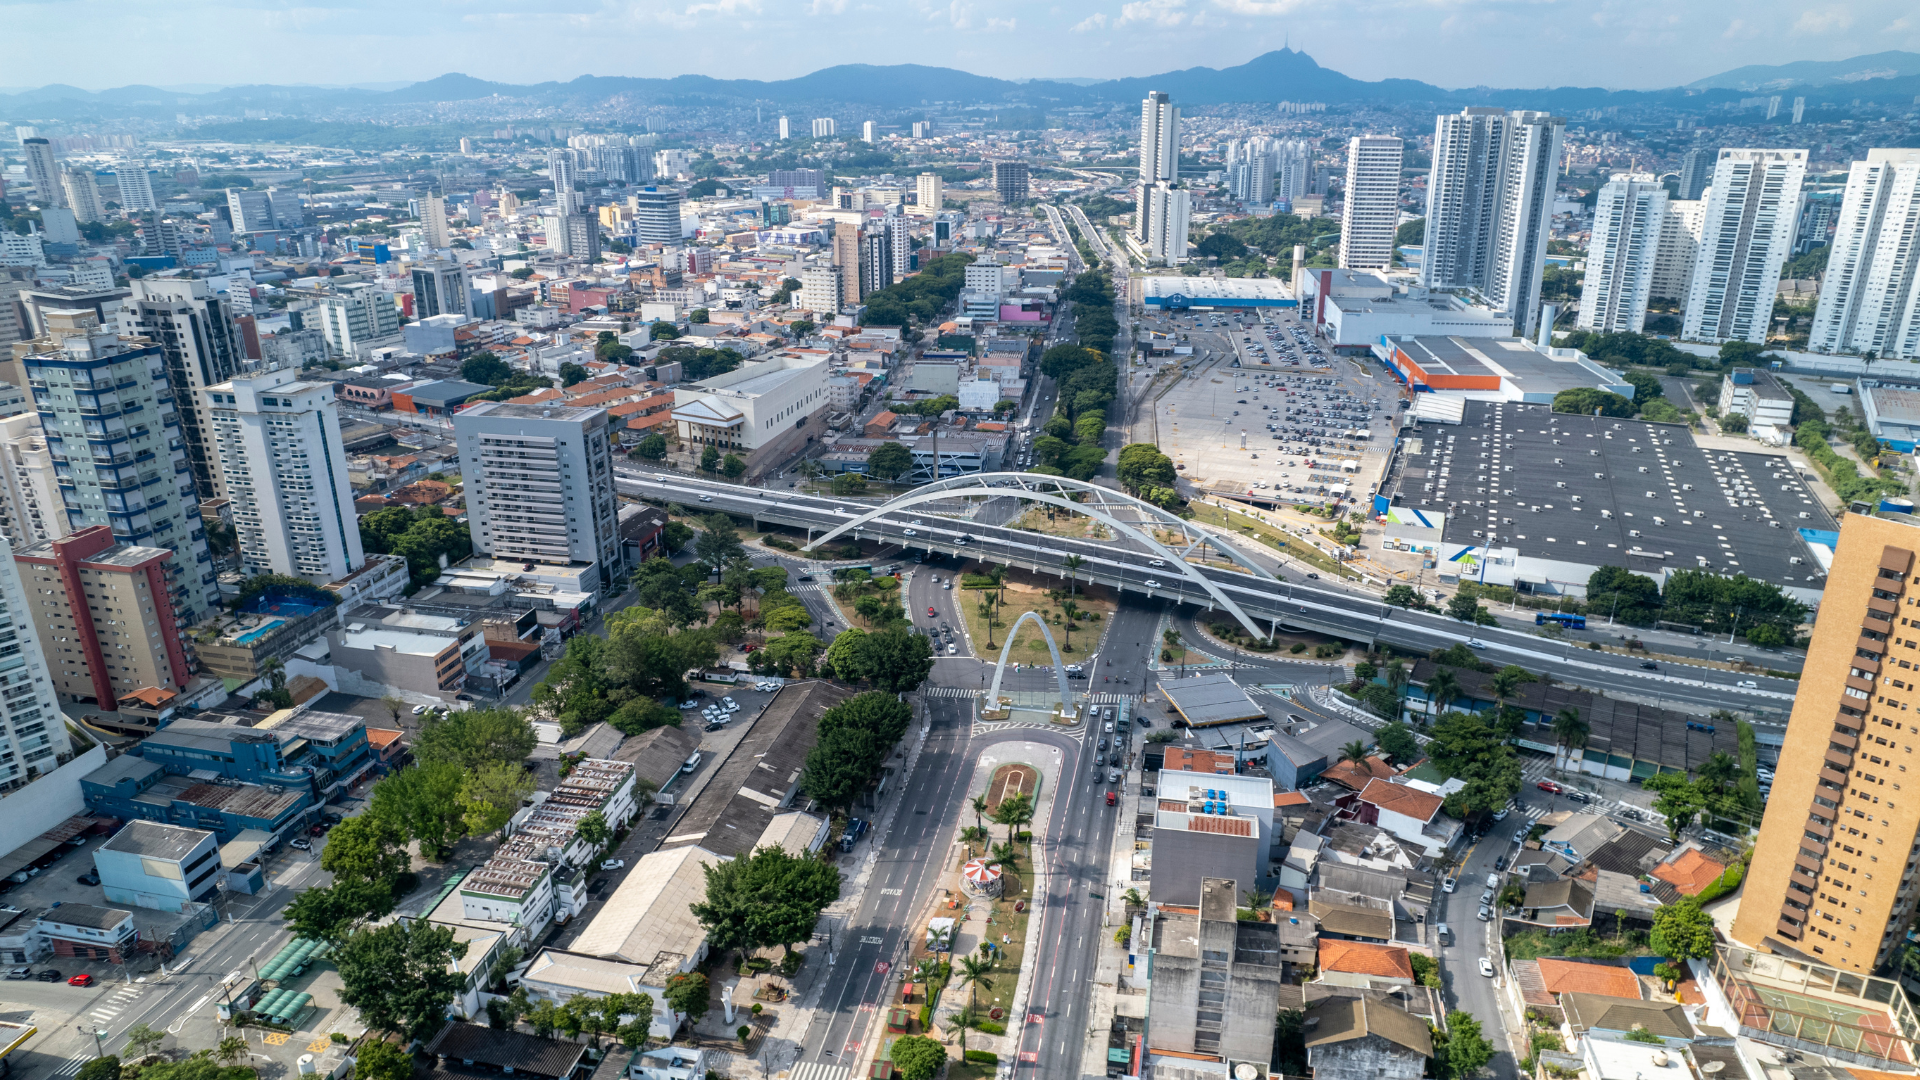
1167 537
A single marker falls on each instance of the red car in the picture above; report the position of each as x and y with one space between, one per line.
930 612
1548 785
80 980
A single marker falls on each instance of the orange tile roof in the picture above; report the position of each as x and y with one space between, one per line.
1574 977
1225 826
1179 759
1290 798
1364 958
1356 776
1691 872
151 696
1401 799
382 737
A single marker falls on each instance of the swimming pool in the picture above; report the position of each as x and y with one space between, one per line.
260 631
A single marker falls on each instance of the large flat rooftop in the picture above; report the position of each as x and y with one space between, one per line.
1596 491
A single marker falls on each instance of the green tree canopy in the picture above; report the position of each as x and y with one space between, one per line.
1626 597
1682 931
1586 401
398 976
767 898
916 1057
366 848
471 738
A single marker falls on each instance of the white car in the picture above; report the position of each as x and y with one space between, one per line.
706 498
729 704
1500 814
1486 967
1157 562
418 709
1476 643
1152 584
1448 884
613 864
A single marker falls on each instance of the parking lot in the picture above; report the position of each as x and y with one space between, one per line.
1290 422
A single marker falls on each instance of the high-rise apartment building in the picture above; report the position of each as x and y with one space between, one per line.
539 483
1750 217
824 128
1159 162
43 172
876 259
869 132
1169 212
656 215
1628 219
1250 177
251 210
561 172
899 241
930 191
1870 300
136 187
1293 170
1490 207
820 289
33 732
786 128
83 194
31 507
1679 248
439 288
1833 871
276 438
433 220
1010 181
124 457
1370 215
102 611
355 316
1696 172
846 259
194 327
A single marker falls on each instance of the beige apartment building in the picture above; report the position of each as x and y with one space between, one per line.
103 616
1833 872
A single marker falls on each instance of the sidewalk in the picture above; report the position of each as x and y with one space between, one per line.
1108 994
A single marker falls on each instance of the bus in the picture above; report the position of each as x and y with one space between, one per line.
1570 622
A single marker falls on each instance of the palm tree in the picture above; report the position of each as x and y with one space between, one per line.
1259 901
1069 611
1073 563
1355 751
1004 855
979 806
975 974
963 1018
1442 688
1569 730
231 1049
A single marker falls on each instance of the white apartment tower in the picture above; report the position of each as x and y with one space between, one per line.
1490 207
277 441
1752 209
930 192
1159 167
433 222
820 289
193 325
786 128
539 483
1629 219
356 316
1679 247
31 507
43 172
1370 214
869 132
1169 210
1870 301
33 731
823 127
251 210
136 188
561 172
83 195
1293 168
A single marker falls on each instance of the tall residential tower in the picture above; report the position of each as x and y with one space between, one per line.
1490 207
1371 213
1751 212
1870 301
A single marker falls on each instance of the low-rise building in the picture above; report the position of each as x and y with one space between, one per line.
151 864
1355 1038
390 645
1758 396
1213 982
1365 965
89 932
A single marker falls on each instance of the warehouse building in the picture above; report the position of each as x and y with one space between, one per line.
1209 700
1494 369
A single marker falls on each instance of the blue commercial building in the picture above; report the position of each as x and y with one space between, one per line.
1177 293
225 778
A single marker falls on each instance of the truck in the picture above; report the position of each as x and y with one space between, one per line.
1841 388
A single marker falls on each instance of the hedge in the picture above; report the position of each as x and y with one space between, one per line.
1726 882
982 1057
989 1027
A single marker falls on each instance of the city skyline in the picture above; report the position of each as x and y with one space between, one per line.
1626 44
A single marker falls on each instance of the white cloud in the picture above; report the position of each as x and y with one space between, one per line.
1095 21
1261 7
725 7
1823 21
1002 24
827 7
960 15
1157 12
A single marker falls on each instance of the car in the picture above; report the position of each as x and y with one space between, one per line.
89 878
660 476
1113 776
1109 728
1449 884
19 974
1487 897
1550 786
1152 584
1476 643
963 538
1500 863
910 532
1485 913
1313 576
806 577
1157 562
1576 795
1144 722
1520 834
49 976
613 864
706 498
1113 799
1648 665
317 830
729 704
692 762
931 614
952 649
418 709
1500 814
82 979
1748 684
717 725
1486 967
301 843
948 586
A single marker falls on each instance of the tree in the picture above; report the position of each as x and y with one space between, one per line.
366 848
143 1040
378 1059
472 738
1073 563
852 740
718 543
593 828
662 330
1464 747
697 315
1627 597
976 974
1404 596
848 485
802 327
1013 811
767 898
492 794
1442 687
1355 751
889 461
689 994
398 976
892 660
1680 801
979 807
571 373
963 1018
792 653
1682 931
108 1067
1587 401
1397 742
233 1049
1569 729
485 367
425 802
1462 606
1465 1050
653 447
332 913
396 706
710 458
916 1057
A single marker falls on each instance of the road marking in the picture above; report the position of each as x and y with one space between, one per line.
872 941
892 892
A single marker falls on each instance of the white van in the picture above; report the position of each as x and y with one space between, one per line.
693 762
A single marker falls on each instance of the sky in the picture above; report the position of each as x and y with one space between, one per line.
1621 44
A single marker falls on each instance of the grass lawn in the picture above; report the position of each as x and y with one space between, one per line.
1296 547
1056 522
1003 920
1028 592
1534 944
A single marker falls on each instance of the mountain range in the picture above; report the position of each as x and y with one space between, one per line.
1282 75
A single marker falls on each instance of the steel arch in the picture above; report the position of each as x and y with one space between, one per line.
1187 569
1006 649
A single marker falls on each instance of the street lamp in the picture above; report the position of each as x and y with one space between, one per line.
99 1050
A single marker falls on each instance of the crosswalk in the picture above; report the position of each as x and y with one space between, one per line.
950 692
117 1002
